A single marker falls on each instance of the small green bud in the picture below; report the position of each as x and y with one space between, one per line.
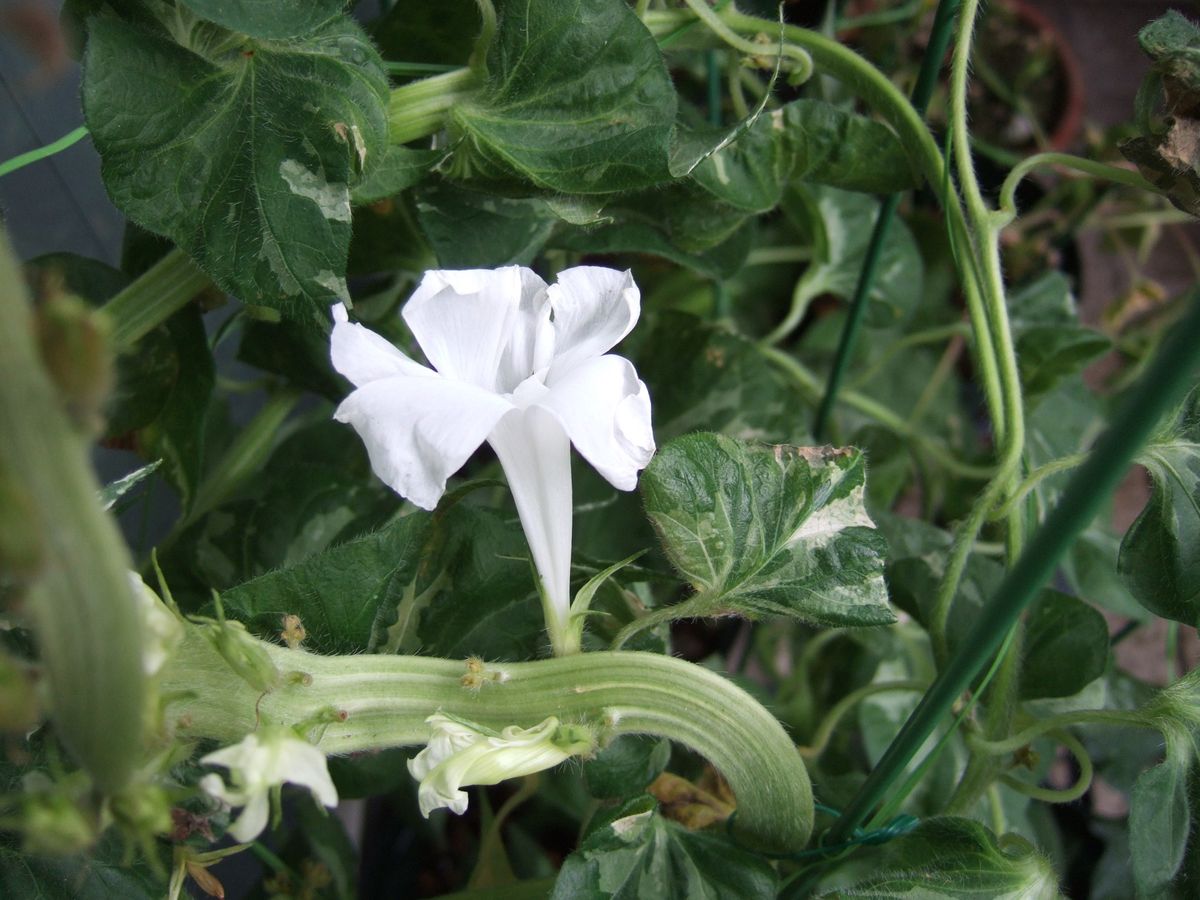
55 819
244 653
143 810
74 346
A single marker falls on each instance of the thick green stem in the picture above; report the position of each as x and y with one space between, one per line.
244 456
153 297
81 603
419 109
369 702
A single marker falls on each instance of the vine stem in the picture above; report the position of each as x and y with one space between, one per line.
151 299
824 732
374 701
808 382
1036 477
923 90
1008 191
1162 387
419 109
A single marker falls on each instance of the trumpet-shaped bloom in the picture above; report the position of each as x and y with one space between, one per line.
260 762
515 362
460 754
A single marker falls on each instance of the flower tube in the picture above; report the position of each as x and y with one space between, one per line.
522 365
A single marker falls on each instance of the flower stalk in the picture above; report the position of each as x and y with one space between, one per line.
370 702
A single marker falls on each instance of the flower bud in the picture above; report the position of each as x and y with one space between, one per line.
461 753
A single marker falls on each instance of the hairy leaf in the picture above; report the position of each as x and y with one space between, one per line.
638 853
267 18
340 593
956 858
705 378
1160 554
241 150
1065 648
840 224
828 145
1159 819
1051 344
577 100
398 170
470 230
626 766
770 530
100 875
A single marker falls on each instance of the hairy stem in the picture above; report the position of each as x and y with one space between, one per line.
370 702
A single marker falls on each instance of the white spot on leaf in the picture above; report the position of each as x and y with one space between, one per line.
332 199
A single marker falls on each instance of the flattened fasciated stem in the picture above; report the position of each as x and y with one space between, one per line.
370 702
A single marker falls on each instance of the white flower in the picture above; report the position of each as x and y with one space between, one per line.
460 754
256 765
161 628
521 365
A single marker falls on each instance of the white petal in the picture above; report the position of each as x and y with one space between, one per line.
605 410
212 785
306 766
252 820
420 431
363 356
479 325
593 308
536 456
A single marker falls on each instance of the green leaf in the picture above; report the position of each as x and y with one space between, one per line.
177 434
1065 647
484 602
626 766
469 230
634 233
1160 554
1051 344
770 530
267 18
243 151
114 491
398 170
640 854
340 594
100 875
1159 819
422 32
828 145
294 351
749 173
704 377
577 100
840 225
956 858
